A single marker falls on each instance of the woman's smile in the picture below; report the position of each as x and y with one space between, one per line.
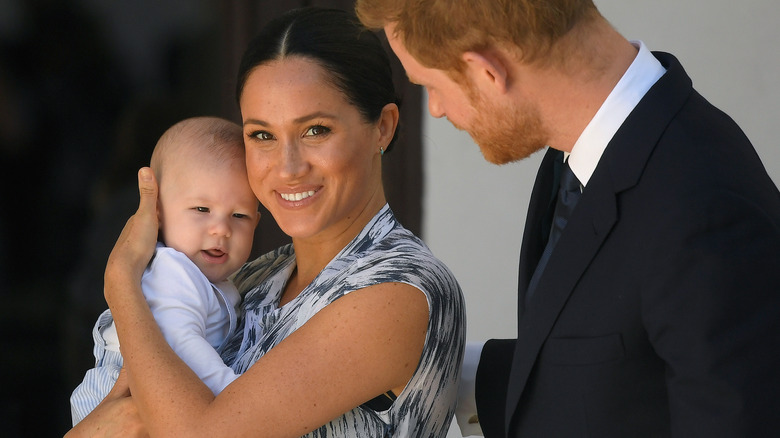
297 196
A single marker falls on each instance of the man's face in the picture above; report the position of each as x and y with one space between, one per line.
505 131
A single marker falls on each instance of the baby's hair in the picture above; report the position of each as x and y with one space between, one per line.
217 139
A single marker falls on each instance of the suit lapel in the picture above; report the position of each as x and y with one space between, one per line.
619 168
537 223
590 224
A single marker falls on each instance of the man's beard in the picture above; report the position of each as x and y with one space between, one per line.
505 135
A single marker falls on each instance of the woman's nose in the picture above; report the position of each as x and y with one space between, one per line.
292 162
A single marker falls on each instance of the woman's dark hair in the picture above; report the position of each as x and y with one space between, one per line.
352 56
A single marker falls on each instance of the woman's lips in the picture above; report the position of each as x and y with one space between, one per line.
297 196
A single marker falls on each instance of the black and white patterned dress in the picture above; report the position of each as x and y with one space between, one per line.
383 252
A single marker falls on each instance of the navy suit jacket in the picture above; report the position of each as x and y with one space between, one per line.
658 313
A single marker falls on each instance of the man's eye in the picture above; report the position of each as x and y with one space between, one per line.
317 130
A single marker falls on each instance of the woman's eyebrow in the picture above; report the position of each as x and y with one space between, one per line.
315 115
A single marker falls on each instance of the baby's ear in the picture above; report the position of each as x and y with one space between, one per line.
159 215
259 211
160 231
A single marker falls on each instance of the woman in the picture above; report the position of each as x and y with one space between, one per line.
353 330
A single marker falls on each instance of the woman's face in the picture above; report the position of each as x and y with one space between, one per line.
312 159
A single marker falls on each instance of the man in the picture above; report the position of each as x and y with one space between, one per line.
648 290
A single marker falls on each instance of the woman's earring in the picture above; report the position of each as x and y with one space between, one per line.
381 151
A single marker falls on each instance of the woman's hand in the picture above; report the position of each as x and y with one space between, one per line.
115 416
135 245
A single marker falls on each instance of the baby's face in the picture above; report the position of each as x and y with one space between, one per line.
209 213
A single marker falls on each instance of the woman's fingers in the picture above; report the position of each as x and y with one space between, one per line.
144 231
147 188
136 243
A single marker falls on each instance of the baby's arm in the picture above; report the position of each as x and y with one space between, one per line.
189 315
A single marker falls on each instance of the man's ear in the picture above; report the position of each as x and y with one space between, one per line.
487 68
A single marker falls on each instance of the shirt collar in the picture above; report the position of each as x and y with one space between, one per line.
643 72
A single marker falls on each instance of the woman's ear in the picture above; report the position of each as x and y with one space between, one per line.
487 69
388 122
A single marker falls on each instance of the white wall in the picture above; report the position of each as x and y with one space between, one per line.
474 212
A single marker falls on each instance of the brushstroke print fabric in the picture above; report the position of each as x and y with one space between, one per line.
383 252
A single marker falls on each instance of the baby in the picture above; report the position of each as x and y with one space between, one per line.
208 215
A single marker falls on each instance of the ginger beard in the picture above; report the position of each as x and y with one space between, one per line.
505 134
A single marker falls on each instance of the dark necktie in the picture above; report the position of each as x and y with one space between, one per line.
569 192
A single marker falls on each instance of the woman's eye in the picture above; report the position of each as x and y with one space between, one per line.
262 135
317 130
202 209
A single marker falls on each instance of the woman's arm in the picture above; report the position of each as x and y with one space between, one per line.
115 416
362 345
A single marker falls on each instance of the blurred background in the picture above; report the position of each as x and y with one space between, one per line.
87 87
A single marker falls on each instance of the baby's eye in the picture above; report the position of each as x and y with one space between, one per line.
240 215
317 130
202 209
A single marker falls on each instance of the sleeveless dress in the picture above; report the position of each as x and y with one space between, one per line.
384 251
